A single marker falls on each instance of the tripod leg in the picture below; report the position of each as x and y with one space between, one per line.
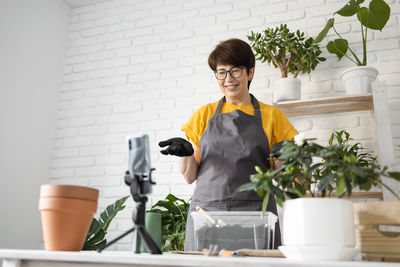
115 239
138 243
151 245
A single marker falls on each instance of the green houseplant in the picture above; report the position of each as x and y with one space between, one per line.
311 169
335 169
96 236
174 212
373 17
288 51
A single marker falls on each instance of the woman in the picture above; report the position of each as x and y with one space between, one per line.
228 138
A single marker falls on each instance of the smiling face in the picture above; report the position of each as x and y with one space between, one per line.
236 90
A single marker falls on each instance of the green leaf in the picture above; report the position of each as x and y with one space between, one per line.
95 236
356 169
325 181
348 183
338 47
340 186
276 191
258 169
366 186
110 212
260 192
291 195
395 175
324 31
245 187
376 16
173 221
173 198
331 139
300 190
279 201
350 8
98 229
265 203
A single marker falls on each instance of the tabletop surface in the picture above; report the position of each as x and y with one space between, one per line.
167 259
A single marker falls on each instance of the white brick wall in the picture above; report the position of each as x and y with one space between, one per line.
141 66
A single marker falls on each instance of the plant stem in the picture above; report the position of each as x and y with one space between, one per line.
390 190
289 59
283 58
284 75
298 70
265 202
364 39
357 62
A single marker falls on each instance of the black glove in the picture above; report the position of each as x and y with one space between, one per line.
276 148
177 146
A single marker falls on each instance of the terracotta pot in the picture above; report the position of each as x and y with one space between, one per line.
67 213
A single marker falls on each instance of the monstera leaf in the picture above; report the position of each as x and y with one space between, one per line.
373 17
95 237
98 229
338 47
351 8
109 213
376 16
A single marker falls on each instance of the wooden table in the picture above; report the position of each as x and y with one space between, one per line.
35 258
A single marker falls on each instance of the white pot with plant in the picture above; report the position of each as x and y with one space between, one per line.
315 226
358 79
290 53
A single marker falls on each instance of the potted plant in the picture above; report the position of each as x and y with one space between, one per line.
291 53
96 237
174 212
357 80
319 227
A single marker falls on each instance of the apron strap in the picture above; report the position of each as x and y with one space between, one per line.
220 105
257 111
254 102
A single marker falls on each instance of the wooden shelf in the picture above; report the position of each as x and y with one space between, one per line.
326 105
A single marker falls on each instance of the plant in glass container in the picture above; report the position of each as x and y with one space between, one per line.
374 17
174 212
311 169
288 51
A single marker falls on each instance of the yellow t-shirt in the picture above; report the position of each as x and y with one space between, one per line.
275 124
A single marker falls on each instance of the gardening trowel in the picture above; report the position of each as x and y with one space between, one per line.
217 223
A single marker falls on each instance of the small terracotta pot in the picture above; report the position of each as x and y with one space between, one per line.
67 213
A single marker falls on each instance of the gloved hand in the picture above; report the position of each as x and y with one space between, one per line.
177 146
275 149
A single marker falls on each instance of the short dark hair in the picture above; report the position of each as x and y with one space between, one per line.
232 52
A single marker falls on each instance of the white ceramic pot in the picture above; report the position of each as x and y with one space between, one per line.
318 224
287 89
358 80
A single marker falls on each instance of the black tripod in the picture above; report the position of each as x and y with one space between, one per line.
139 187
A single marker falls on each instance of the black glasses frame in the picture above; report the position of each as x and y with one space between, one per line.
229 71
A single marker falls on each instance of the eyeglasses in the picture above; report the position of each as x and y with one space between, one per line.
235 72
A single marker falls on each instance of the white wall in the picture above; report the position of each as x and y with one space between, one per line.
141 66
32 53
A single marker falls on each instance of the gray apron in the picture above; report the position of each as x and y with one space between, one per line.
232 145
